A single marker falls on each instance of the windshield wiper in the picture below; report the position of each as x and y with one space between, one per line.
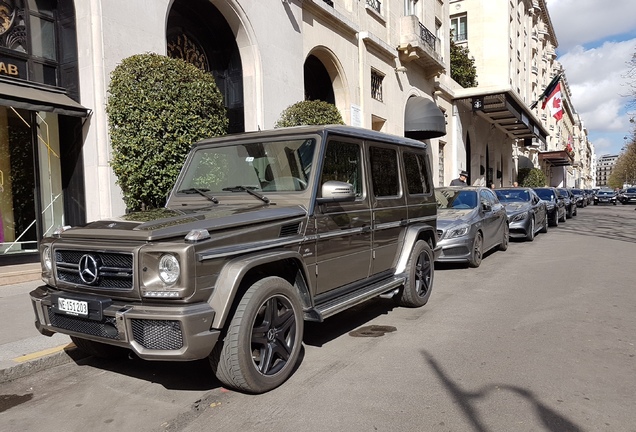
250 190
201 192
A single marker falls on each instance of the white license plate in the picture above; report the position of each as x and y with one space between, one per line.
72 307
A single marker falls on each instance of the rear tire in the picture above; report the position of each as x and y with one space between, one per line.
99 349
503 246
262 343
544 228
419 282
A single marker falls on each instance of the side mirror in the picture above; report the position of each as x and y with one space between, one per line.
486 207
336 191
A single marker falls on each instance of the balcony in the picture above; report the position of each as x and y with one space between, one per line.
375 5
419 45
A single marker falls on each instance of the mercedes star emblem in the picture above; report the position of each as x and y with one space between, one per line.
88 269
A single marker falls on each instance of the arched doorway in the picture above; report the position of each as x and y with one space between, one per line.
198 33
317 81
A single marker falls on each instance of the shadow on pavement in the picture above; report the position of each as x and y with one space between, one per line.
551 420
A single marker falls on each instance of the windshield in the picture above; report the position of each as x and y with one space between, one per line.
512 195
455 199
577 192
546 194
275 166
605 193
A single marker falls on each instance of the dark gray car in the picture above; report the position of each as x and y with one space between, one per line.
261 232
470 222
527 213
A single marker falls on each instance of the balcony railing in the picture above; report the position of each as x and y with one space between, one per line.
375 5
329 2
417 43
428 37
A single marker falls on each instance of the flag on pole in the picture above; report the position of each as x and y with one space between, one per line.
553 102
548 90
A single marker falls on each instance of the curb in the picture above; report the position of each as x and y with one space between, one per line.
41 360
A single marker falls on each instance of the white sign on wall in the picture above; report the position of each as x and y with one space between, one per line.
356 116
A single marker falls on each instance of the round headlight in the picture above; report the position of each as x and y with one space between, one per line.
46 258
169 269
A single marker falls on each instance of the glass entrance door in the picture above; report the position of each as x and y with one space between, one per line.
31 200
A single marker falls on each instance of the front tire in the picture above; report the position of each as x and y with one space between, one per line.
419 282
530 233
263 341
478 249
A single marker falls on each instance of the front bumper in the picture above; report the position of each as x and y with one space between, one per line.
170 332
457 249
519 229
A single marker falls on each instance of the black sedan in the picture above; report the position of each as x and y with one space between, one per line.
605 196
570 202
628 196
581 199
555 204
527 213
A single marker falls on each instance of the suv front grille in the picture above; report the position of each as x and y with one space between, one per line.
114 269
157 334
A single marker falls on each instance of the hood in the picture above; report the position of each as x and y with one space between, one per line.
164 223
516 207
449 217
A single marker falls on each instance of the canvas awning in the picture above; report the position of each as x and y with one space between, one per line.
503 108
35 99
555 158
423 119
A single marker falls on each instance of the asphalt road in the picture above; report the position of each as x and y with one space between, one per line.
539 338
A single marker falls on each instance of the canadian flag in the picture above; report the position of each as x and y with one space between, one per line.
553 102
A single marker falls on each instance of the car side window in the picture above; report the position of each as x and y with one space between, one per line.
384 171
415 171
343 162
491 197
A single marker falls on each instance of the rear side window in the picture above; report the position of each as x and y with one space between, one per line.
384 171
415 171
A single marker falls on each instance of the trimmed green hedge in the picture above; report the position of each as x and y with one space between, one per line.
534 178
309 113
157 108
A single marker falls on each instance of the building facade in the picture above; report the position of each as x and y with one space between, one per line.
384 64
604 168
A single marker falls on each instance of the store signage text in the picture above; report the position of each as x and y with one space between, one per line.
9 69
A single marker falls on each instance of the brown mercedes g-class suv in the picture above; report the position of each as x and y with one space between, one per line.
262 231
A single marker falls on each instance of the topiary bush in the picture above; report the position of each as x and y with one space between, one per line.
309 113
535 178
157 107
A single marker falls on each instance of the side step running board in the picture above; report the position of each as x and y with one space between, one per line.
324 310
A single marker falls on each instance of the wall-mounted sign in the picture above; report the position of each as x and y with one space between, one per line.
13 68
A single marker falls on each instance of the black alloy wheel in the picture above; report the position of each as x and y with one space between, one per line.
263 341
503 246
478 249
419 282
530 233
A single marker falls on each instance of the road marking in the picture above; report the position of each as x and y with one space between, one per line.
42 353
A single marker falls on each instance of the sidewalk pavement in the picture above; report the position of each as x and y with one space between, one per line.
23 350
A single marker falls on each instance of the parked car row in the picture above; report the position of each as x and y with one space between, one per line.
474 220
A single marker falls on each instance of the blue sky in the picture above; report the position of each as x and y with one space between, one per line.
597 39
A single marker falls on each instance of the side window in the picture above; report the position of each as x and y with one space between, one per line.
415 171
384 171
343 162
488 197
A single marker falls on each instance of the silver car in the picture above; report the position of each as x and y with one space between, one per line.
527 213
470 222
